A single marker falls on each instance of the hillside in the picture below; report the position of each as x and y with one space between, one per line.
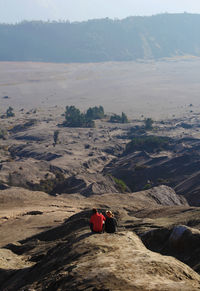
159 36
148 177
70 257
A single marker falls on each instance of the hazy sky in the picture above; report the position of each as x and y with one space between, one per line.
77 10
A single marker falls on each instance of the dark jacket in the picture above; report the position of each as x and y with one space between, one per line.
110 225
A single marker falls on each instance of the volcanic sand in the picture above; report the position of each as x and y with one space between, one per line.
154 89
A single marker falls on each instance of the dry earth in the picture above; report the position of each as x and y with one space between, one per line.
24 213
45 240
156 89
69 257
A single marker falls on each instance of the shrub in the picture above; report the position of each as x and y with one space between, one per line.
47 185
148 143
9 112
55 136
148 124
162 181
119 119
115 118
95 113
74 118
147 186
124 118
120 184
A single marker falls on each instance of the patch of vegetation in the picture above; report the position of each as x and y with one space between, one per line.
74 118
162 181
148 143
95 113
9 112
119 119
47 185
147 186
135 131
148 123
55 137
120 184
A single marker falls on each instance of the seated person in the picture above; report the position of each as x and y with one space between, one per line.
96 221
111 223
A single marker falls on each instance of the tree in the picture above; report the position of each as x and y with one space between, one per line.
55 136
72 115
119 119
124 118
115 118
148 123
9 112
74 118
95 112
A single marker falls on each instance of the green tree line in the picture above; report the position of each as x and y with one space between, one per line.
137 37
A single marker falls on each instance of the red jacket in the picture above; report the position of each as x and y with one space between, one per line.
97 221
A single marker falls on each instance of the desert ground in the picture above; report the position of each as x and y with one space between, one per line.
47 190
153 89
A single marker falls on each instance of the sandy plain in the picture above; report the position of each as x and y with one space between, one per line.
159 89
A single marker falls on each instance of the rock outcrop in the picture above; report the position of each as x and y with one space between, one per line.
177 168
179 241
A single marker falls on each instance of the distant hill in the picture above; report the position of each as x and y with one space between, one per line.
154 37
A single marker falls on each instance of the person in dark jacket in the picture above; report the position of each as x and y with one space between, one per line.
110 223
97 221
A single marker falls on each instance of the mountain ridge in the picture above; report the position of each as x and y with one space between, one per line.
133 38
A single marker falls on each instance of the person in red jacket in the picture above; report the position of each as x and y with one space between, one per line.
96 221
